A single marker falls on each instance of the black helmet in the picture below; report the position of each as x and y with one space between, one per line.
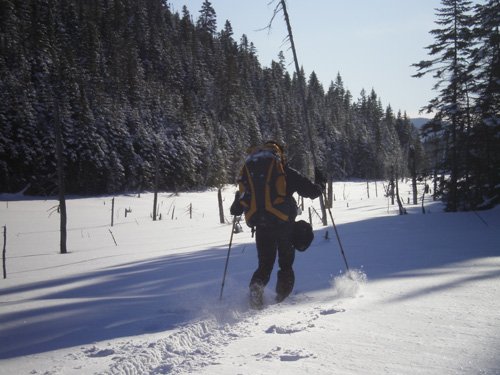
302 235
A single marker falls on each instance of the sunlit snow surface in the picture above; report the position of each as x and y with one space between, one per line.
422 295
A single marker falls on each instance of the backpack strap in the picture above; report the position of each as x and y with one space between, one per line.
250 210
280 199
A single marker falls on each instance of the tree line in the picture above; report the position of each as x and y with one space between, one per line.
146 97
463 140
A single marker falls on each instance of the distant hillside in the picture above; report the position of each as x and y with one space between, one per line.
419 121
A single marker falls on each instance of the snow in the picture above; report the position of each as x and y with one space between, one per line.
421 297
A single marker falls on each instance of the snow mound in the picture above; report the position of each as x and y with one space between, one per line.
349 284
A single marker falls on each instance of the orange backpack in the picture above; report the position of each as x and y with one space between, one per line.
262 186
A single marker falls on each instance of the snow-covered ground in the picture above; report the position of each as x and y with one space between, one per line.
422 296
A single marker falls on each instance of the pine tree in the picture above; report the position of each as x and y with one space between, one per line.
207 21
138 84
485 135
449 66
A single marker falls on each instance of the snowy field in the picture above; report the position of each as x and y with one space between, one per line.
422 297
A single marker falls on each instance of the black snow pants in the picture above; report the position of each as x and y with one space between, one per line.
271 241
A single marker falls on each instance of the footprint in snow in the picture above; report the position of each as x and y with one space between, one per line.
291 356
283 330
295 355
285 356
331 311
96 353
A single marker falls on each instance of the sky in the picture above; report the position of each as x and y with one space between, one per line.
371 43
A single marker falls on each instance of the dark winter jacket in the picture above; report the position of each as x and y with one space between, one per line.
296 183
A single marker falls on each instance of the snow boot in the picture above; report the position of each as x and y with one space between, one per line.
284 286
256 296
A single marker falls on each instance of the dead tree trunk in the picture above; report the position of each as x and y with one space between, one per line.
4 253
157 178
426 190
402 211
112 211
221 207
413 174
330 193
391 186
301 81
323 211
60 180
435 185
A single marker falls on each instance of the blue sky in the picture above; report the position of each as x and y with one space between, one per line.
371 43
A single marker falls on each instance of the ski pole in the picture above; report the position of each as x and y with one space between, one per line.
338 239
227 258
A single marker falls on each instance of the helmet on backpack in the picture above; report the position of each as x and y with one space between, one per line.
280 147
302 235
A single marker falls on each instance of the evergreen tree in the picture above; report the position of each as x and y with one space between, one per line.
207 21
449 66
485 135
142 93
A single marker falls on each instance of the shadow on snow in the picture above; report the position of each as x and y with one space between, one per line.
160 294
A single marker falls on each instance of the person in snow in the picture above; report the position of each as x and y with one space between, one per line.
275 238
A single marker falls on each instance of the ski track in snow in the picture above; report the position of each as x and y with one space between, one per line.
197 344
190 347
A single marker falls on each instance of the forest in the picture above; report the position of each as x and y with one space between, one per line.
145 97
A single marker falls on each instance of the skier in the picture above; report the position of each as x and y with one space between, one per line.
275 238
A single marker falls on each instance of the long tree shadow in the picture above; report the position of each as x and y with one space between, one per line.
395 246
160 294
126 300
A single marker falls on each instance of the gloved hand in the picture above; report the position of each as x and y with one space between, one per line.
236 207
319 178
